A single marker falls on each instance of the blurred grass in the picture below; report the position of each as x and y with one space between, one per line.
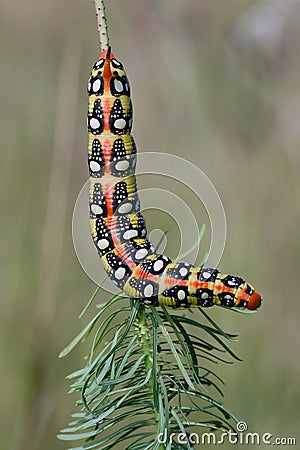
234 114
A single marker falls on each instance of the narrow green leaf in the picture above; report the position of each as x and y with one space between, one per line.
172 347
212 322
124 377
181 426
79 337
92 298
194 246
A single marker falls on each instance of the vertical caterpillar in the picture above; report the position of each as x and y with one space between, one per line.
117 226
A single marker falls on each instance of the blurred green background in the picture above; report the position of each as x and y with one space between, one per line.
204 87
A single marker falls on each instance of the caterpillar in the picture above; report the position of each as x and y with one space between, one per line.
118 227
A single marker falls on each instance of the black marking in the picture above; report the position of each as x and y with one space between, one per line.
97 202
118 151
242 304
122 203
123 167
149 301
120 194
96 157
227 299
99 64
180 272
96 85
152 267
204 297
115 263
232 282
119 122
141 285
138 249
121 163
179 294
116 64
249 290
127 229
119 85
96 119
208 274
102 234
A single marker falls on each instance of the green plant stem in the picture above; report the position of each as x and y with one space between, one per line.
102 24
148 350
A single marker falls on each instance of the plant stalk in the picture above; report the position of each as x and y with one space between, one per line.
148 349
102 24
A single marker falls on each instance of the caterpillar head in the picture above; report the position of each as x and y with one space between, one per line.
249 298
254 302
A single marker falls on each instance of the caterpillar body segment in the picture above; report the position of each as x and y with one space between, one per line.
117 226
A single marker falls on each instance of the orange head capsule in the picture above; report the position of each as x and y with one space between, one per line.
248 298
254 302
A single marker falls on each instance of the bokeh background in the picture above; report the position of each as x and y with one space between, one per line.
217 82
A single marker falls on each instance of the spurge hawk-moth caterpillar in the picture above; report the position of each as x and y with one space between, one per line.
117 226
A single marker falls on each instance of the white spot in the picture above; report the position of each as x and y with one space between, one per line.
94 166
89 86
227 297
120 123
122 165
141 253
120 272
148 291
96 209
125 208
118 86
206 274
99 63
116 63
181 294
231 282
129 234
158 265
204 295
94 123
103 243
183 271
96 85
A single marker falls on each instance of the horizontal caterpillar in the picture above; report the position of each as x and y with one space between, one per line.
117 226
